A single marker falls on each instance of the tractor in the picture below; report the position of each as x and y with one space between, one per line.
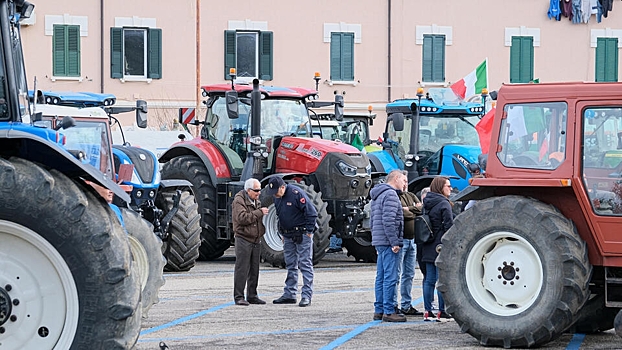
539 253
253 131
69 278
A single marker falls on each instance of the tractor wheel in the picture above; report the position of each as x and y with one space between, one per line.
594 317
181 249
272 242
67 280
147 251
191 168
361 249
517 264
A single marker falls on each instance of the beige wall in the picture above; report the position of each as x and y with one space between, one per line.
478 29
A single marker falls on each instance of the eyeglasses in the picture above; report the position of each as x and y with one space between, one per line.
255 189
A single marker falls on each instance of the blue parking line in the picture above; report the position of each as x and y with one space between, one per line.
575 342
351 334
185 319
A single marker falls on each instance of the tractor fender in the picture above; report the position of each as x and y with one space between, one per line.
382 161
473 192
173 183
284 176
187 148
39 150
420 183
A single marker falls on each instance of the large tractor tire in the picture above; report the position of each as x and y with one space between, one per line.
360 248
146 249
68 281
594 317
272 241
181 249
191 168
513 272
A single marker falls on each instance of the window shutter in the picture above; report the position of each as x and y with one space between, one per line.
611 59
601 57
265 55
154 53
515 60
230 52
59 51
347 56
73 51
427 58
335 56
438 58
116 53
526 48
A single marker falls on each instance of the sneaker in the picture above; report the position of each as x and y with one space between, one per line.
443 314
411 311
334 250
399 311
378 317
429 316
394 318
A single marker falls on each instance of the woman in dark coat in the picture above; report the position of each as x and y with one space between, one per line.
436 205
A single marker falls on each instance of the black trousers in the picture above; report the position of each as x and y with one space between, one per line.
246 273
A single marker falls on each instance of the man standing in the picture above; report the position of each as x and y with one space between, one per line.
297 217
248 228
387 224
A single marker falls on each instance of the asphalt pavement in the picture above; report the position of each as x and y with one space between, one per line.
196 311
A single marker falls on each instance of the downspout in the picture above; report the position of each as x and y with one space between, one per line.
101 51
389 52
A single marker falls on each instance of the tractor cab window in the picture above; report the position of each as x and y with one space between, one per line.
282 117
93 140
355 129
602 158
533 135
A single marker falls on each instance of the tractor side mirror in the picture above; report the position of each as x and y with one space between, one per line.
339 107
398 121
65 123
231 97
141 113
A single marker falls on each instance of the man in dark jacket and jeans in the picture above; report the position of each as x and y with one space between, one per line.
248 228
387 226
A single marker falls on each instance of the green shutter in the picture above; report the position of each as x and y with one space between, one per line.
438 58
73 51
265 55
426 61
347 56
116 53
335 56
230 52
154 53
612 59
59 50
521 59
607 60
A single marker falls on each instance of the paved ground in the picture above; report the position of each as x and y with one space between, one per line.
196 311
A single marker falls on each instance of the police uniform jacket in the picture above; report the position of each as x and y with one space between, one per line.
295 211
247 218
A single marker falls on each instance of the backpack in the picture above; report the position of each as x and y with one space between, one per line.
423 228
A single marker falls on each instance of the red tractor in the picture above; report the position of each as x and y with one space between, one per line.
540 251
252 131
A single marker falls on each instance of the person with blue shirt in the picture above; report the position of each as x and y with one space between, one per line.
297 220
387 232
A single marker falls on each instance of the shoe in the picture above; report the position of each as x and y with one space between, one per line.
411 311
284 300
394 318
304 302
334 250
398 311
443 314
256 301
241 302
377 317
429 316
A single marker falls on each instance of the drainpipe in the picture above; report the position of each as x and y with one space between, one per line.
101 51
389 52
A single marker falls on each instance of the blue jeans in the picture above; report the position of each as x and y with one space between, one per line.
335 242
386 279
431 275
406 273
298 257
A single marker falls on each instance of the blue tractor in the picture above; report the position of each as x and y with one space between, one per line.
69 278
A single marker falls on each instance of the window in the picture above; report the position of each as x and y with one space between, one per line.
433 58
521 59
607 59
136 53
66 50
342 56
250 53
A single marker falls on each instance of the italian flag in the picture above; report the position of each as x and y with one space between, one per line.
473 83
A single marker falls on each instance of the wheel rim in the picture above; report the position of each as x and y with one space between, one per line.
504 273
40 287
141 259
272 237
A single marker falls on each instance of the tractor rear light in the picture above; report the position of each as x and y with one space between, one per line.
346 169
566 182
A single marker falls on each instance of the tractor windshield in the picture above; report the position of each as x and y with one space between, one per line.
93 140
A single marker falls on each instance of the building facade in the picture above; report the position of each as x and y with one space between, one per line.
373 51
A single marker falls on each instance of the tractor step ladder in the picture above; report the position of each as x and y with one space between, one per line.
222 212
613 287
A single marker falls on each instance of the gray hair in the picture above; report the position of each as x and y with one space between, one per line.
424 192
250 183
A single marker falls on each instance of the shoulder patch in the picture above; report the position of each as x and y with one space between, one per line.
302 200
295 191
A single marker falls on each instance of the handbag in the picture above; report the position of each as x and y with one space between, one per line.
423 228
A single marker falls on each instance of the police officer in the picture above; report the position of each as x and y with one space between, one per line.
297 216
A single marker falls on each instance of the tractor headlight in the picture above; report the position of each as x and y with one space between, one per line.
255 140
408 163
346 169
139 193
152 193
